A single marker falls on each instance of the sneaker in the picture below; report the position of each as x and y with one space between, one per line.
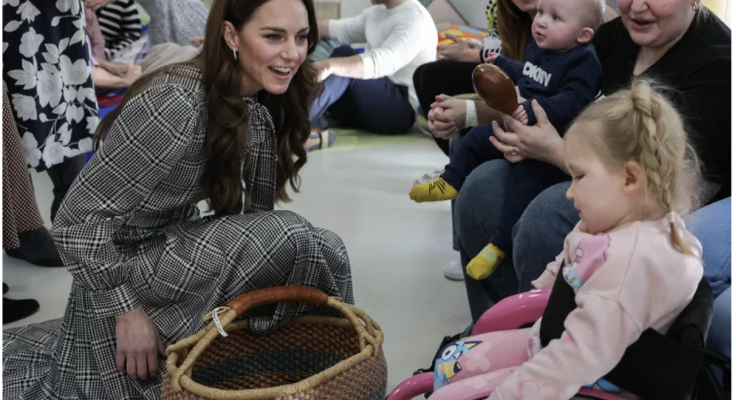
453 270
428 177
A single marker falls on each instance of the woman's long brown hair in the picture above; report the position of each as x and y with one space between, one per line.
227 122
514 28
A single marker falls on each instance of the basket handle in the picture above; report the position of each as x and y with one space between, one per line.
281 294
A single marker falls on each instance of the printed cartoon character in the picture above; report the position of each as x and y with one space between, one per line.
447 365
604 385
589 257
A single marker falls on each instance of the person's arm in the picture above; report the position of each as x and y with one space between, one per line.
707 112
514 69
350 67
122 26
349 30
146 141
323 26
104 79
578 88
397 51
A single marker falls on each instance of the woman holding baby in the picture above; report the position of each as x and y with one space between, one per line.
677 42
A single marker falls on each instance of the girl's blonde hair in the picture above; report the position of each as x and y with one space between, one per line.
641 125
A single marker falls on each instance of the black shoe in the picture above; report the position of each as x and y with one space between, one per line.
5 288
15 310
38 248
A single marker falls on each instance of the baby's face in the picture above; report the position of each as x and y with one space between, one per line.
559 24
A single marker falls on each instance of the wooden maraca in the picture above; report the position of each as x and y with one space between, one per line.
494 87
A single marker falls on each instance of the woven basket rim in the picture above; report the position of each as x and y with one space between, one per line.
370 336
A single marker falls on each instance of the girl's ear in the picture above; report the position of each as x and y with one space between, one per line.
634 177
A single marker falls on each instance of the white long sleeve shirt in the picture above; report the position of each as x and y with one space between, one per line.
625 281
398 41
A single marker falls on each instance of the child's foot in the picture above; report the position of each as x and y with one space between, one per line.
485 263
436 190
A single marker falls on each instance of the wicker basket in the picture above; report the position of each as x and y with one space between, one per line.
313 357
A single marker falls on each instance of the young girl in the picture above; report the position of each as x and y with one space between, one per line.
630 261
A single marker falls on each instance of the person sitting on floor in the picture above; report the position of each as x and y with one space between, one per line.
374 90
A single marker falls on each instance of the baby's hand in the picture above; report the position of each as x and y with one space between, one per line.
490 59
520 115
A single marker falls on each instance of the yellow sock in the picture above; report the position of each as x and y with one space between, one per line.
484 264
436 190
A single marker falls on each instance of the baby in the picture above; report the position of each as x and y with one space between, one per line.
563 74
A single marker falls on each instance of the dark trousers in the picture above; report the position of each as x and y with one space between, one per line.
374 105
62 175
442 77
527 180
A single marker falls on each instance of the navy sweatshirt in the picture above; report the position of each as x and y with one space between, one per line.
563 82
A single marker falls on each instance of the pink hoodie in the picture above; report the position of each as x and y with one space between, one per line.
626 281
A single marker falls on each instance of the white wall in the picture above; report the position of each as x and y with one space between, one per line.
353 8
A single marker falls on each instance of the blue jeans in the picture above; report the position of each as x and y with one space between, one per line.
375 105
478 205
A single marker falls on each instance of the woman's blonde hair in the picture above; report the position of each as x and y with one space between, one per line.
641 125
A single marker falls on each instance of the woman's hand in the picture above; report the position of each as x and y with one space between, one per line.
197 41
439 126
138 344
459 50
447 116
541 141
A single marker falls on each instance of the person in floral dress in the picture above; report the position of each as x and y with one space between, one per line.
47 69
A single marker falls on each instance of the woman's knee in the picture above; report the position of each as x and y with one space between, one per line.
481 197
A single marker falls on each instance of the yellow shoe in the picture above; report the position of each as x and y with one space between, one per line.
436 190
484 264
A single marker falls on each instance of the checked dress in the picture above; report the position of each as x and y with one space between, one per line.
130 234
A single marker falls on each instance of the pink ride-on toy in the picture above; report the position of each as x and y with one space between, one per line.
684 376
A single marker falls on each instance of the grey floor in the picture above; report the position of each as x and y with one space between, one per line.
397 248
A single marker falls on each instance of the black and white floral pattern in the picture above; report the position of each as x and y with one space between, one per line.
48 74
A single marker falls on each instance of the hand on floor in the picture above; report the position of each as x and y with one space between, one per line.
485 263
436 190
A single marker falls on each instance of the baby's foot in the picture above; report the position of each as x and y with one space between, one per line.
436 190
484 264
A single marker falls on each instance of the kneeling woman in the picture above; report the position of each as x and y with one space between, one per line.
228 127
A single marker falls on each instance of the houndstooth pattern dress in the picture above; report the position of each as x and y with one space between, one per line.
130 234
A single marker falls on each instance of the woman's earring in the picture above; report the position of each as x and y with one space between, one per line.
694 6
234 53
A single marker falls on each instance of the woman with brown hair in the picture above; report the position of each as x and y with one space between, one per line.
146 266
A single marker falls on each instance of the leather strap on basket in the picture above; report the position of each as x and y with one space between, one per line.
282 294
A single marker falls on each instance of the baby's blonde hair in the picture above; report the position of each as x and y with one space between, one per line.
641 125
597 14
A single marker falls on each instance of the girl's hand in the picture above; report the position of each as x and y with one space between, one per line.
138 344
